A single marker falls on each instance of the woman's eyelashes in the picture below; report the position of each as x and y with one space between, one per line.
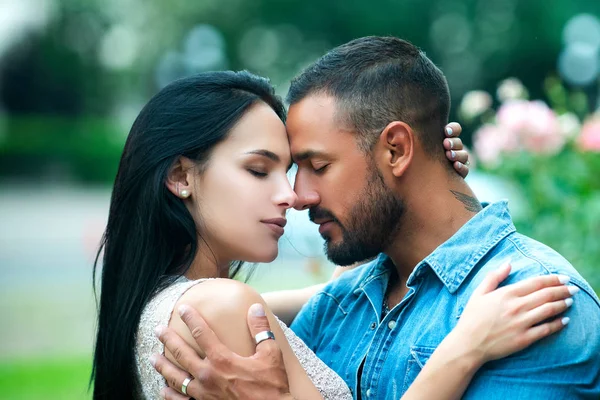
258 172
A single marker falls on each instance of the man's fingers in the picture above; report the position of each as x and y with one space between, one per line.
492 280
183 353
174 375
171 394
257 319
202 334
257 323
530 285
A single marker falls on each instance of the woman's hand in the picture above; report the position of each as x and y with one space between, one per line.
498 322
455 150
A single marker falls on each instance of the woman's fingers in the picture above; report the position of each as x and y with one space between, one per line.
461 156
541 331
462 169
174 375
546 311
547 295
453 144
530 285
453 129
492 280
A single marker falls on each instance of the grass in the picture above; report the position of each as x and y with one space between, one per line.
53 378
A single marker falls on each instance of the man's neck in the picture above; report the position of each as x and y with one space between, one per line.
433 216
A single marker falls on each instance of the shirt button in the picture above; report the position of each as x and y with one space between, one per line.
392 324
373 325
368 393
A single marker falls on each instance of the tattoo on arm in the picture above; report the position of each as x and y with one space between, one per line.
471 203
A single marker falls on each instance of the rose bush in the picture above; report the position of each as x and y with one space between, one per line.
553 156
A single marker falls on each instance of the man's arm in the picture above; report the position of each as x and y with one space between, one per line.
562 366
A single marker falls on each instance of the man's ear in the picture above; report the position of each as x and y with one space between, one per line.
181 177
397 141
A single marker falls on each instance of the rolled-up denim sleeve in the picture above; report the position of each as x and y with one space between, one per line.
304 324
565 365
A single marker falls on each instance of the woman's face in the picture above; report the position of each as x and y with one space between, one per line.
243 193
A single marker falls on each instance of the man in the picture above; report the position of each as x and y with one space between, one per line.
364 125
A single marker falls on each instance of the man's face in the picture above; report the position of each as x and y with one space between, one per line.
346 196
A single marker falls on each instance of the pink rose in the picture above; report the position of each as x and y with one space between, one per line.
535 125
589 140
490 141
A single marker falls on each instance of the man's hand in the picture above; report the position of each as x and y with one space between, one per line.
222 374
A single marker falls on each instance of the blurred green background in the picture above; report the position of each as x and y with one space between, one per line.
75 73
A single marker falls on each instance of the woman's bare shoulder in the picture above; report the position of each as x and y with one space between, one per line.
224 304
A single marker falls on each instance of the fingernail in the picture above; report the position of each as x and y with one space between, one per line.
569 302
459 165
159 330
152 359
565 320
182 309
257 310
163 393
449 131
452 154
573 290
563 279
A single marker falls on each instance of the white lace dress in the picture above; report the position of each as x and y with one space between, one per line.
158 312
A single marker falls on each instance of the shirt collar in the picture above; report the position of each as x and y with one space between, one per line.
453 260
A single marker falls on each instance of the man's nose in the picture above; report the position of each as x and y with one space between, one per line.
307 196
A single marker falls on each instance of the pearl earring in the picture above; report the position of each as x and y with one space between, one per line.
184 193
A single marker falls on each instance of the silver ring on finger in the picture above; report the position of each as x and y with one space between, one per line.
262 336
185 384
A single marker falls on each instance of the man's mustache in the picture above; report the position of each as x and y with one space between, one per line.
318 213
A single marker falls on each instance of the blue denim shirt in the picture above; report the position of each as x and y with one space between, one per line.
341 324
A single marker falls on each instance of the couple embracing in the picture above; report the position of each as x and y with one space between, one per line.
454 303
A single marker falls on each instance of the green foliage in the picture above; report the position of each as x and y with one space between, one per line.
86 150
562 209
60 379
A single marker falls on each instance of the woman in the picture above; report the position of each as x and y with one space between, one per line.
201 186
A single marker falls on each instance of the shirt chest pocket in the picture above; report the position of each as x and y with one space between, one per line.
418 357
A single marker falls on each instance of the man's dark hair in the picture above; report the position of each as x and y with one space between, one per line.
376 80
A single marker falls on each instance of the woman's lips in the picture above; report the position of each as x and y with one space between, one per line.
276 225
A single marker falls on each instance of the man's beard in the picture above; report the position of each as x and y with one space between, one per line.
372 224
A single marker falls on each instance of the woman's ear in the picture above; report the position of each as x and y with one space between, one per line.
397 140
180 177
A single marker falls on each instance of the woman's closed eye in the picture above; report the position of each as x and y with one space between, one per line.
258 173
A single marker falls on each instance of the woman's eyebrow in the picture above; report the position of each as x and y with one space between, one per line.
269 154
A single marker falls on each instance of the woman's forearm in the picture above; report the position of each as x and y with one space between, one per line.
286 304
447 373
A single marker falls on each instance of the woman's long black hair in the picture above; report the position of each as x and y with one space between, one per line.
151 238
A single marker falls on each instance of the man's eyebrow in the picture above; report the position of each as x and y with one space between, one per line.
305 155
269 154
